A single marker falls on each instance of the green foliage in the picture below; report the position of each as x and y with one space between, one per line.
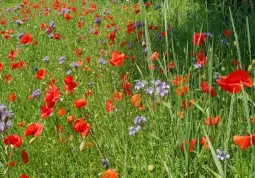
158 143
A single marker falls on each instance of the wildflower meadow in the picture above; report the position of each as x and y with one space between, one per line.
127 89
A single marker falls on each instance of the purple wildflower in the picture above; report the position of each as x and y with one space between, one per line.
52 24
149 90
19 22
68 72
162 89
131 45
46 59
98 21
197 65
105 163
75 65
102 61
134 129
36 93
140 120
224 41
61 60
221 155
6 117
140 84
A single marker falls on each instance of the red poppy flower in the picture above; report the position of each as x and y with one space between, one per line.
235 81
7 78
191 145
67 16
82 127
19 64
135 100
244 141
180 80
201 58
88 93
117 58
155 56
147 4
227 33
171 65
80 103
52 96
204 142
11 164
12 97
109 106
34 129
198 39
182 90
185 103
23 176
110 173
117 96
12 54
56 36
80 24
61 112
70 119
46 111
127 88
24 156
130 28
1 66
26 38
205 88
212 121
3 21
14 140
41 74
70 85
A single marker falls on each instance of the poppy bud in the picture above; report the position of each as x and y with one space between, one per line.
253 62
250 68
150 168
143 44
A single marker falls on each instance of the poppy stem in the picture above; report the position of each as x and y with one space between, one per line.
101 151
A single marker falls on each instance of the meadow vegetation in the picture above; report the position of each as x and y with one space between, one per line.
127 89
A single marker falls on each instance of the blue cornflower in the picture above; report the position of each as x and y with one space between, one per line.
224 41
105 163
131 45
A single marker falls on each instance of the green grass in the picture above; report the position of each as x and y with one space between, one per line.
67 154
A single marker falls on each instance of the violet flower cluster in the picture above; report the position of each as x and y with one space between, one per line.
222 155
6 117
139 122
157 88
